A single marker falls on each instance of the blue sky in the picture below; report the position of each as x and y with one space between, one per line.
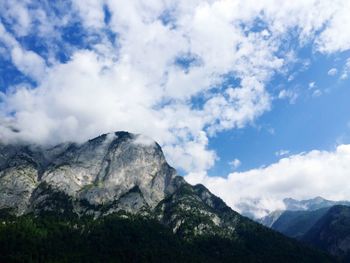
310 122
250 99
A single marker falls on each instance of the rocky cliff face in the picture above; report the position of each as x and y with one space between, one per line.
114 171
117 172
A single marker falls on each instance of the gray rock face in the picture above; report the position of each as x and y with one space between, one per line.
104 171
193 210
117 172
271 218
16 187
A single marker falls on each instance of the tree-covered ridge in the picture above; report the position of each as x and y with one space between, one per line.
296 223
124 237
332 232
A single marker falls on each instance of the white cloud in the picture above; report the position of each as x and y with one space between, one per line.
144 140
301 176
27 61
316 93
312 85
282 153
346 70
134 85
128 87
290 94
332 72
91 12
235 163
17 13
334 37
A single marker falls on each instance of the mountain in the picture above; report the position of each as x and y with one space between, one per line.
298 212
332 232
115 199
106 174
311 204
271 218
296 223
318 222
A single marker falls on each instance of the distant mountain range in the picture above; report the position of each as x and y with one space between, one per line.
319 222
332 232
311 204
115 199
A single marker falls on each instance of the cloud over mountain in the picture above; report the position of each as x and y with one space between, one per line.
177 71
301 176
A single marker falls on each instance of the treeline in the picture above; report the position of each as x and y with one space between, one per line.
115 238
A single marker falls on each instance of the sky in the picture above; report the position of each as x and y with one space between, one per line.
249 98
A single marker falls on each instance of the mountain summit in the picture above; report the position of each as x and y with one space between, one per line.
125 175
114 171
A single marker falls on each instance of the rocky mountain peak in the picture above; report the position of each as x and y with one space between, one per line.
101 171
123 176
116 172
309 204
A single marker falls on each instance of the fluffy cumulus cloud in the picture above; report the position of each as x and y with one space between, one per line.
176 71
333 37
300 176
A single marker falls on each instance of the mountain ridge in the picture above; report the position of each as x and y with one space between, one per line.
127 175
332 232
98 171
321 223
293 206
